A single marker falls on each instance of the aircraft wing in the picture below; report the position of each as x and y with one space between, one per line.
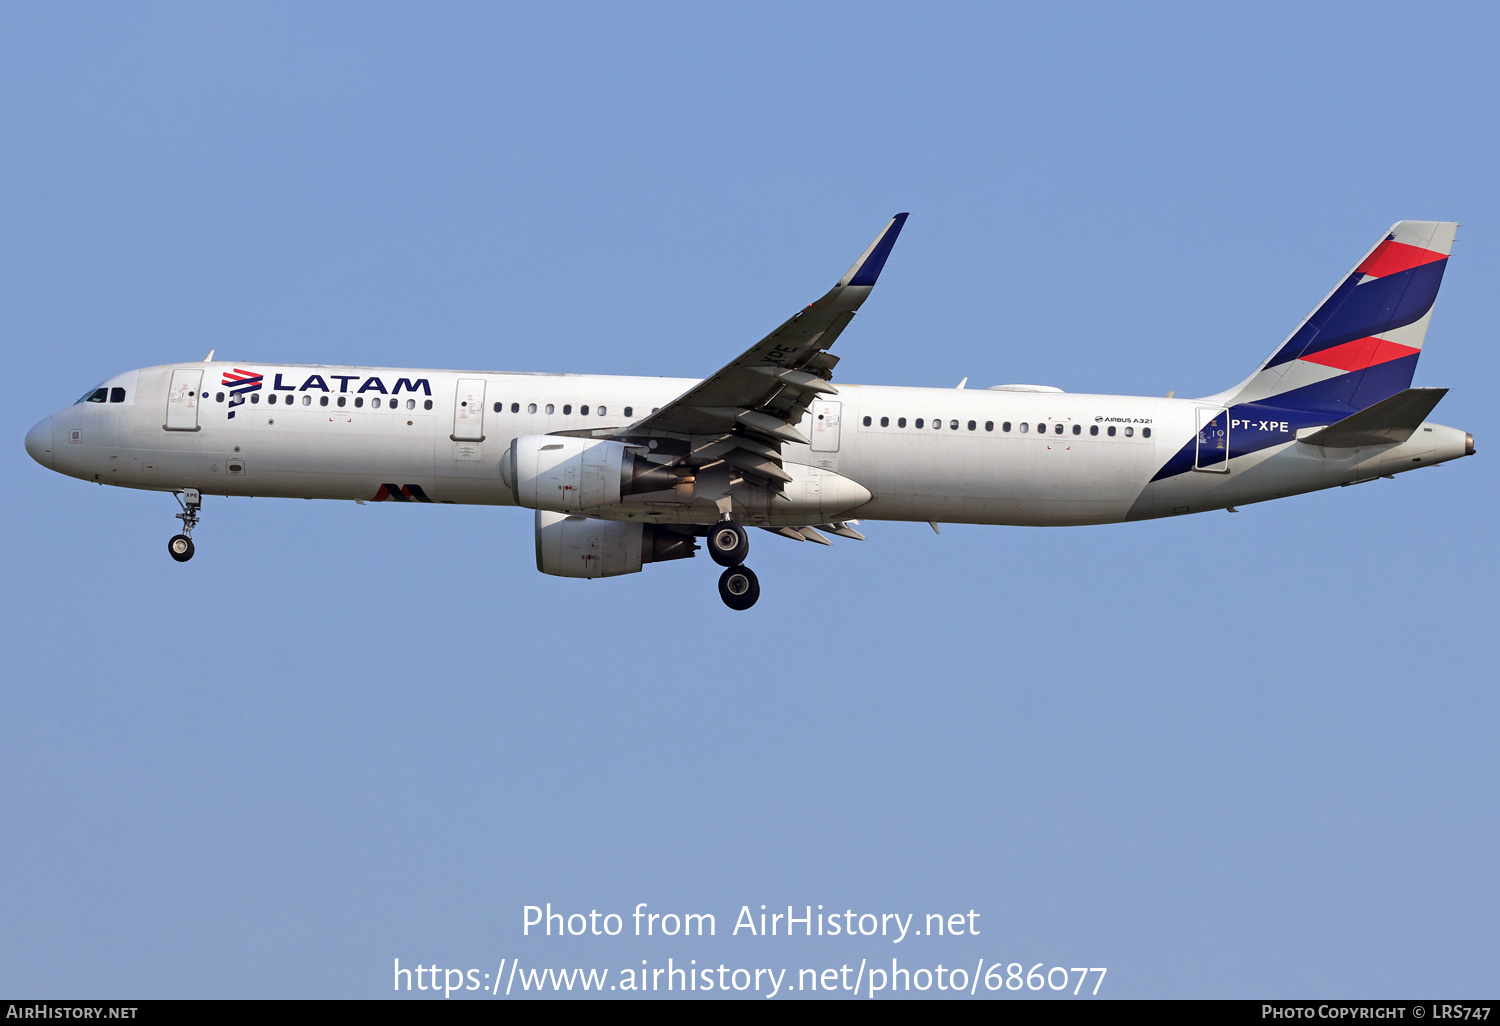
744 412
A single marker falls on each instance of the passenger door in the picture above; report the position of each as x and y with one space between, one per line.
182 400
468 411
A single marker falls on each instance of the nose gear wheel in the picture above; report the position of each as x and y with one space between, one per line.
180 547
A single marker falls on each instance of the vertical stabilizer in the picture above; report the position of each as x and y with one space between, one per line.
1357 348
1360 345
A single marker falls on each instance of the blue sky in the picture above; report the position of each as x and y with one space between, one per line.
1222 755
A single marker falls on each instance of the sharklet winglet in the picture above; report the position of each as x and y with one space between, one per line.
867 268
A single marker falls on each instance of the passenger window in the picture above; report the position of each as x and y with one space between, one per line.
901 422
307 400
411 404
567 410
989 425
254 397
499 407
630 411
1025 427
359 401
885 422
426 404
531 408
1057 429
972 425
867 422
100 395
583 411
1130 432
514 407
322 400
1094 429
1111 431
953 424
1078 429
1145 432
220 398
341 400
918 422
271 399
601 411
550 407
1041 429
1005 426
117 395
937 424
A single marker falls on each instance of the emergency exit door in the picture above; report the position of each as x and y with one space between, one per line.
825 426
182 400
468 411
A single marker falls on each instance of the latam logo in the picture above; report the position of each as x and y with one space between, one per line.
243 382
240 384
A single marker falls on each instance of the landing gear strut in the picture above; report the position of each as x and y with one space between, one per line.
181 546
728 545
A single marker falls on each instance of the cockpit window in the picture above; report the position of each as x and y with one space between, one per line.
117 395
98 395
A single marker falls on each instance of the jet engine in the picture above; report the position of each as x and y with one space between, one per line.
563 474
573 546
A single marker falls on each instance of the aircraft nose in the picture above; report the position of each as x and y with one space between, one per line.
39 442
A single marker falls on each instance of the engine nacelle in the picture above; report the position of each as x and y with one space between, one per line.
563 474
571 546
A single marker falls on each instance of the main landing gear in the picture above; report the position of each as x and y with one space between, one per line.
181 546
728 545
738 587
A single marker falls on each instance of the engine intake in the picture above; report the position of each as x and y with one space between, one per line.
563 474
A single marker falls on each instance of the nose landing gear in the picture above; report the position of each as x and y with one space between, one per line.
728 545
180 547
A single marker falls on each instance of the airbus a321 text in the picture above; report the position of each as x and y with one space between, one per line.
624 471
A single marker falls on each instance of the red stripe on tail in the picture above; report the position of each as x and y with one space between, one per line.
1390 257
1359 354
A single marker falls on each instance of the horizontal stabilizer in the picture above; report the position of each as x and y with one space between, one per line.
1389 422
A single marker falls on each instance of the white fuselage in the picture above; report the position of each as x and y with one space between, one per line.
324 437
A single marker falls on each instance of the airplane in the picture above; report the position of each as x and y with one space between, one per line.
624 471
